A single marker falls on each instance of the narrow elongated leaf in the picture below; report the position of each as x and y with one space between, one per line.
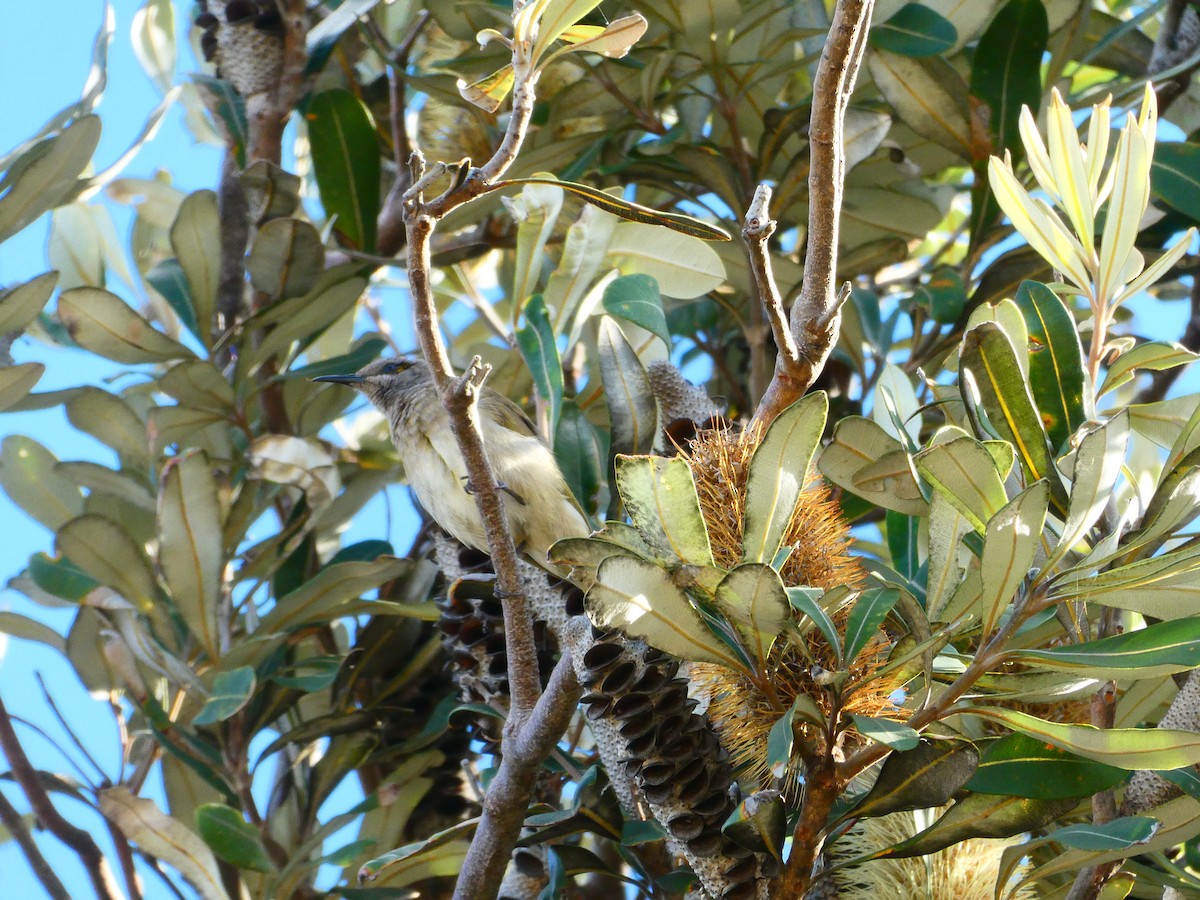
189 515
538 348
111 421
106 552
104 323
1119 834
1098 463
896 735
164 838
45 175
928 775
1005 396
231 691
805 600
636 298
1056 373
333 585
660 498
1166 586
631 404
778 470
867 615
580 455
963 472
440 853
1006 69
947 525
915 30
28 478
683 265
1126 748
16 625
753 597
631 212
1160 649
1020 766
928 95
231 837
21 304
1152 356
640 599
1175 175
1009 546
979 816
196 240
903 543
345 156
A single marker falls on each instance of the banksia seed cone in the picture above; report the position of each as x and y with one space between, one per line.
645 723
244 38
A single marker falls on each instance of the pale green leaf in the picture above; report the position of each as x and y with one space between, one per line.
660 498
189 516
104 323
1153 356
1098 463
684 266
963 471
106 552
28 478
1009 547
753 598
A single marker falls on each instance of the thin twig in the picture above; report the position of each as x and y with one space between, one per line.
816 315
67 728
76 838
11 820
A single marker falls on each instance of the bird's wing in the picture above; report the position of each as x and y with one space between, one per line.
508 414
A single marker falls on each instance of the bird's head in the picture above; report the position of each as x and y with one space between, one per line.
385 380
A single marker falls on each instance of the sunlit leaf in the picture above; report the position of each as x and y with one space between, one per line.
660 499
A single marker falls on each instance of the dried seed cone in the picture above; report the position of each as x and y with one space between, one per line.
245 40
472 626
526 876
677 397
647 730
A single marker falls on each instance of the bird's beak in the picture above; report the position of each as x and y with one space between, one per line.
341 379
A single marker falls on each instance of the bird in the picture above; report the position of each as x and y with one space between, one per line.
538 504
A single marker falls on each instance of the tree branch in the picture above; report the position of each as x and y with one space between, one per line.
77 839
508 794
11 819
816 315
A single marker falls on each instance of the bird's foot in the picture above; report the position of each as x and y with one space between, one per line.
500 486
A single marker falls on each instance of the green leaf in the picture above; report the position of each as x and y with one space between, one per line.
903 543
1013 537
632 212
1153 356
231 837
1006 70
28 478
168 279
915 30
324 35
231 691
27 629
777 472
1098 463
104 324
229 107
856 446
632 408
636 299
866 616
684 266
196 240
345 156
944 295
1119 834
199 384
640 599
580 455
189 516
286 258
892 734
928 775
1127 748
489 92
1020 766
61 577
304 318
759 823
1056 373
537 345
45 175
979 816
1004 394
660 497
780 741
1175 175
20 305
17 381
112 421
1161 649
442 852
804 600
928 95
753 598
1166 586
327 590
106 552
964 472
313 674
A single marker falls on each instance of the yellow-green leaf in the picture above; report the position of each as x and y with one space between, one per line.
189 516
104 323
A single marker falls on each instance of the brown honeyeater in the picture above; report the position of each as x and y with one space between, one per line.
539 506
